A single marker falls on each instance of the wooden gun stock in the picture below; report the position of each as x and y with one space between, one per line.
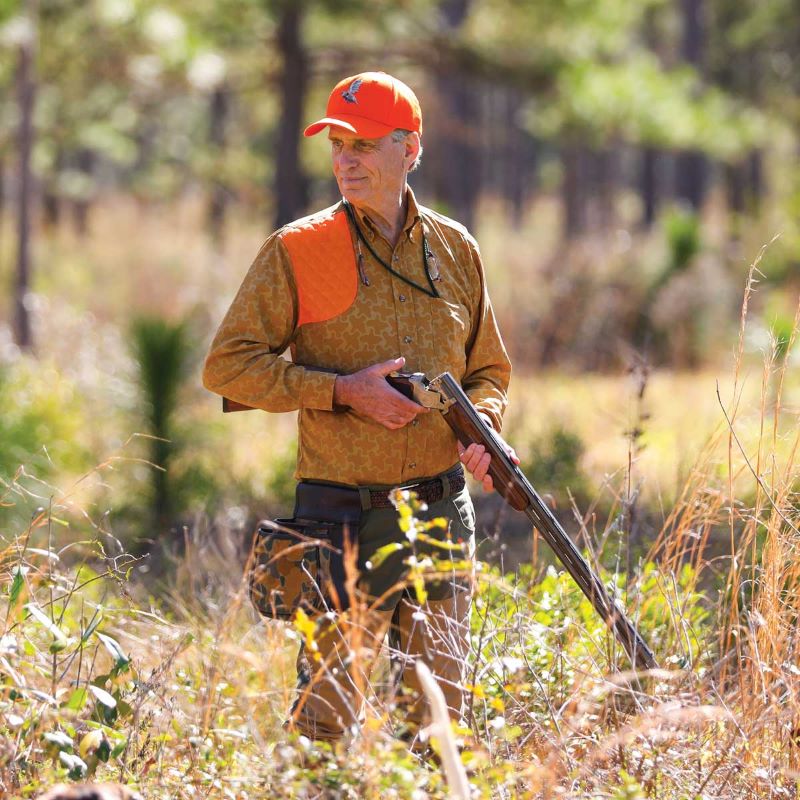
501 468
229 405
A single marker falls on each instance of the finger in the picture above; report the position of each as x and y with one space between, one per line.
404 407
412 409
399 403
469 450
488 484
480 464
391 365
479 473
473 457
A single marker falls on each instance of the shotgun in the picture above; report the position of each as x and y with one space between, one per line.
444 394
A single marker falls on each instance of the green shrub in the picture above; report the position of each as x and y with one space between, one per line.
682 231
553 465
41 422
163 354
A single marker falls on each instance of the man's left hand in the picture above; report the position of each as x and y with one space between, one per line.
476 460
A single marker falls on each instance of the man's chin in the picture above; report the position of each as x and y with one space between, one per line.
354 196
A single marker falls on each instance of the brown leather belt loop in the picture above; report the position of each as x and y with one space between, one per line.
366 498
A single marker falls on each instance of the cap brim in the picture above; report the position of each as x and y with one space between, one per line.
367 128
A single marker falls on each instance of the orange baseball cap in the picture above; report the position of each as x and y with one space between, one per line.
371 105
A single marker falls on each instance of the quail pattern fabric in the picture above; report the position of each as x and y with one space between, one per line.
286 572
456 331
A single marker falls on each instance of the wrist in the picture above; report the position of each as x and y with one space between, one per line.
341 394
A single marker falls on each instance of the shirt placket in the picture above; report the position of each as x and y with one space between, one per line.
405 260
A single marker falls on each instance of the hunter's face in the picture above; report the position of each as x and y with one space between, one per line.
371 173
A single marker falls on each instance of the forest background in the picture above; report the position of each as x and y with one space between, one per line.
623 165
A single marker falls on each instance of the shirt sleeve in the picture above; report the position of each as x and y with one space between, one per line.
244 362
488 367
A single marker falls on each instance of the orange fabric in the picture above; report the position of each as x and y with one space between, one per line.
324 266
370 105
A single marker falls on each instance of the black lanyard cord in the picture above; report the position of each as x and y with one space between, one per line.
426 255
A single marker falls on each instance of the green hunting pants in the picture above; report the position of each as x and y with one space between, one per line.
334 693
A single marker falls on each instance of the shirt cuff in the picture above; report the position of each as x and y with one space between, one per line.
317 390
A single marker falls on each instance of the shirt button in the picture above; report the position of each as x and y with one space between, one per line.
412 465
395 258
415 422
407 340
402 298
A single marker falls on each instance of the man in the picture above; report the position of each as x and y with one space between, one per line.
374 284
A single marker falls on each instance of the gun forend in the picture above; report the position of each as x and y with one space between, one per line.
469 427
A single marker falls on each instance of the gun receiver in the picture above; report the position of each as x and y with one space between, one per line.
444 393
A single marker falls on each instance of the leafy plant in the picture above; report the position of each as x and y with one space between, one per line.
41 421
163 352
554 464
682 231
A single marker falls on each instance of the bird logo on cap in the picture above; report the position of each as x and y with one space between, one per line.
349 94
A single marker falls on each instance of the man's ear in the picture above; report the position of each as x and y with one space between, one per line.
412 145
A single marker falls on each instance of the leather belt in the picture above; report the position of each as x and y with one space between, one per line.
430 491
344 504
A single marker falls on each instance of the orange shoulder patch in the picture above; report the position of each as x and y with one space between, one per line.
324 266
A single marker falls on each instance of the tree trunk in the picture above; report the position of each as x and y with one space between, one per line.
755 175
26 94
651 166
2 194
520 159
736 186
604 189
51 200
691 178
291 184
648 186
573 190
80 208
218 199
457 165
692 167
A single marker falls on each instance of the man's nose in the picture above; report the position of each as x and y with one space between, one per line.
348 158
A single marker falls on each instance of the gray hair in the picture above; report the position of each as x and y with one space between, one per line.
398 135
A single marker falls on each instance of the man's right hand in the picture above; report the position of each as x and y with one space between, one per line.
368 394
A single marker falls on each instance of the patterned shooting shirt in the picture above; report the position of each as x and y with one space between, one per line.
331 316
